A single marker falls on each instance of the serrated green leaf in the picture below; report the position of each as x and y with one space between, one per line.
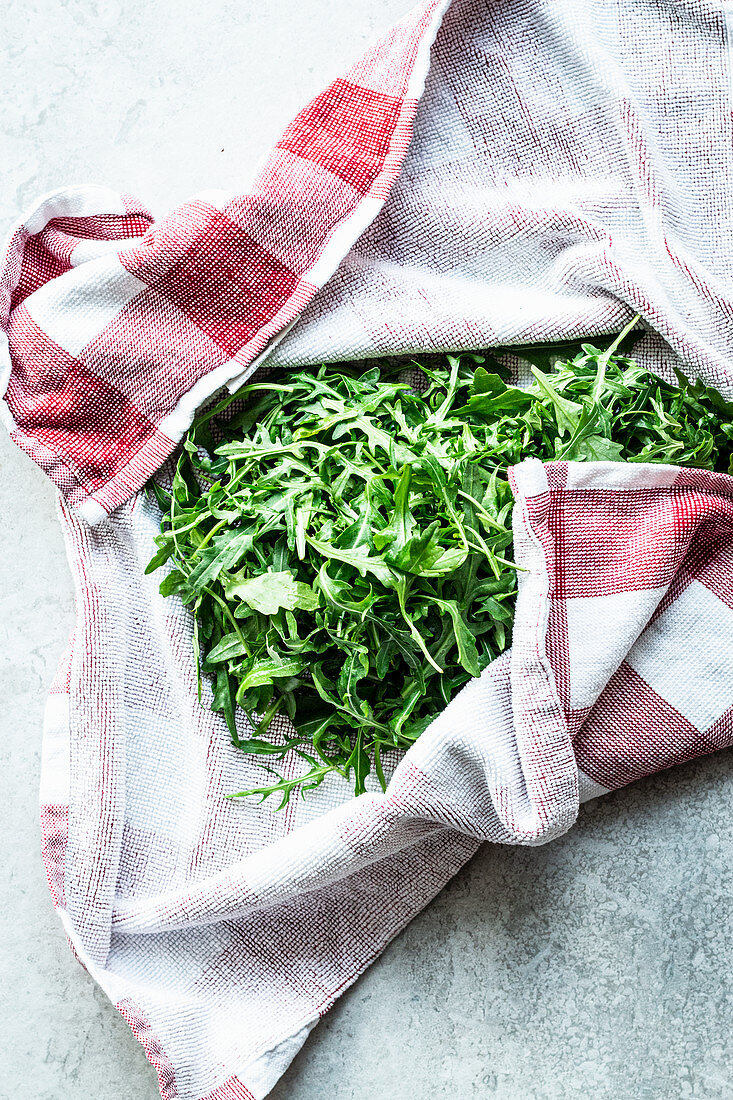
269 592
229 647
162 556
595 448
267 670
172 582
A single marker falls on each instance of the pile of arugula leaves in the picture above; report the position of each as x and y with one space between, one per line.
344 539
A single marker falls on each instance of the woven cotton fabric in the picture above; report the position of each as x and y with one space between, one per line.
568 164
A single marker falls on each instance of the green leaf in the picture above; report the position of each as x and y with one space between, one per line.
359 558
269 592
360 764
567 413
447 562
224 553
337 593
420 553
260 747
511 400
398 532
354 669
229 647
595 448
268 670
487 383
172 582
465 640
224 701
160 558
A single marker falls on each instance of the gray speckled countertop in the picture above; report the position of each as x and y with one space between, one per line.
598 966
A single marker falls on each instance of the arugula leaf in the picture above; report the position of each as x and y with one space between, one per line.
467 652
230 646
160 558
596 448
567 413
359 558
267 670
268 592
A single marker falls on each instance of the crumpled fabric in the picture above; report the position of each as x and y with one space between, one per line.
568 165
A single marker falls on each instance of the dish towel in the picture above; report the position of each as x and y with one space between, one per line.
486 174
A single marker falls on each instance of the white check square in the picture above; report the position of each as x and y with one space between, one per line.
686 656
601 631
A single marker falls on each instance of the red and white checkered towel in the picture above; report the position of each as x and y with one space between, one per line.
571 162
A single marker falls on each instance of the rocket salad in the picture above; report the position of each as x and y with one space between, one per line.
343 539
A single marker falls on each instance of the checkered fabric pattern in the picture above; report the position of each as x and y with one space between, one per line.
119 327
570 162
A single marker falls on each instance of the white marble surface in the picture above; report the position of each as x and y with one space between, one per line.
597 966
